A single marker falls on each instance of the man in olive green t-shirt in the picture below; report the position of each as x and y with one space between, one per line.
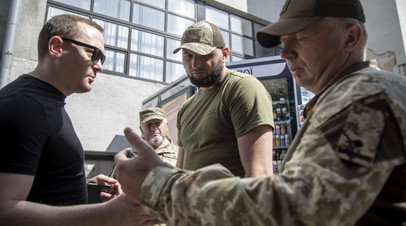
229 120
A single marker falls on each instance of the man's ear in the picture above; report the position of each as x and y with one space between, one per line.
354 35
55 47
225 52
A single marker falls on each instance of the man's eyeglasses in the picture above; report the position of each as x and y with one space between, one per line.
97 53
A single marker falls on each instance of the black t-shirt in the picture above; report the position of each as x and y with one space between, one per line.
38 138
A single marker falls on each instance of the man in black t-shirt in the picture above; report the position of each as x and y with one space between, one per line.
42 163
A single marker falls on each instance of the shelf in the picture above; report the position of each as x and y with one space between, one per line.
282 122
280 147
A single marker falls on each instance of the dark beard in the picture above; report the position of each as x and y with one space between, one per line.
211 79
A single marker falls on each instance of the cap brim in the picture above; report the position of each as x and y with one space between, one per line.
199 48
268 36
152 117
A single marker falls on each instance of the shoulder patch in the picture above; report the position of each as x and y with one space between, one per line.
361 135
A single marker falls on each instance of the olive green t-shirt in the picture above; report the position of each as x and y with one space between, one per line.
210 122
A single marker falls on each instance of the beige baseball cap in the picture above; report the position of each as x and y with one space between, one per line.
298 14
202 38
151 113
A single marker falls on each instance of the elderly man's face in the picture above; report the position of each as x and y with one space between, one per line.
314 55
154 131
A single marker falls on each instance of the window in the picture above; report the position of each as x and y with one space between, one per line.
149 17
226 36
241 26
115 61
140 35
55 12
176 24
242 45
174 71
237 32
147 43
146 67
119 9
83 4
114 35
156 3
170 46
182 7
259 50
218 17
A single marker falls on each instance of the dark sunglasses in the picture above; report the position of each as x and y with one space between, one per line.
97 53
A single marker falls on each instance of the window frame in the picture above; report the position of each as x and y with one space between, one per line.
200 14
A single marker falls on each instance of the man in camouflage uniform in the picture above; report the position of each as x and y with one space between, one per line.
347 164
154 130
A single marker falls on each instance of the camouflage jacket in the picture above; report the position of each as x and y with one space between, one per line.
350 148
168 153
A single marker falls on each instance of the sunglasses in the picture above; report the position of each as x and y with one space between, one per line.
97 53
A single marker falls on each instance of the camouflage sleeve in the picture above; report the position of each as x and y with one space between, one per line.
212 196
332 177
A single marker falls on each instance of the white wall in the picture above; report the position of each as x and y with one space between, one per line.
383 27
30 22
401 7
268 10
238 4
111 105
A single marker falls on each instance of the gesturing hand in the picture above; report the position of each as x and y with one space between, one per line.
131 172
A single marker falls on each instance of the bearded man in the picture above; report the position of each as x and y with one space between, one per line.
229 119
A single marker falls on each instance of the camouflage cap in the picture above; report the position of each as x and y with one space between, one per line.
298 14
202 38
151 113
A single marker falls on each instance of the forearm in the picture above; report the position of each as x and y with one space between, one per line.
259 162
179 161
209 196
255 150
118 211
29 213
212 196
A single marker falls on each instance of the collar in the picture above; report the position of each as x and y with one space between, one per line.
353 68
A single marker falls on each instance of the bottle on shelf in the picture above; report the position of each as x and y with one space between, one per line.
274 111
278 112
283 130
275 166
284 109
279 166
277 140
274 138
287 139
282 154
282 138
277 129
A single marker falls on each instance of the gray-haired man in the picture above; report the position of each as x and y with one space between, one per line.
154 130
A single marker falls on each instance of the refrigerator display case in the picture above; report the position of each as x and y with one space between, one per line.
276 78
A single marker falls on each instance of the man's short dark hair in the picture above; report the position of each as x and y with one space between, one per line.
64 26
